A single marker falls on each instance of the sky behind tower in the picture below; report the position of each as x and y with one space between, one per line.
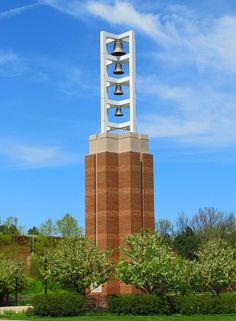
50 101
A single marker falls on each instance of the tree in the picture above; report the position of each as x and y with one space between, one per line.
210 224
186 243
34 266
165 228
77 263
149 264
33 231
214 268
47 228
68 226
11 226
182 222
11 276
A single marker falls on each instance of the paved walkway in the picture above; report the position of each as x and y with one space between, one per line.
17 309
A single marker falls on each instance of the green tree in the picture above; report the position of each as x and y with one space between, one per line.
77 263
11 274
47 228
214 268
34 266
210 224
11 226
33 231
165 228
149 264
68 226
186 243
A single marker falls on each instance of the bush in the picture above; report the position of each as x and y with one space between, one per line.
58 305
145 304
36 287
206 304
140 304
34 266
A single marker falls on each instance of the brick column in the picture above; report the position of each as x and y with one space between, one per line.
119 195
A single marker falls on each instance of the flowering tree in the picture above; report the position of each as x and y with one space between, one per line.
214 268
77 263
150 265
11 277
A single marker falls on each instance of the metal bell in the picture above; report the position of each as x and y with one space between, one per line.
118 90
118 49
118 112
118 69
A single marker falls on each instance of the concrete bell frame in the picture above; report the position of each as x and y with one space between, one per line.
106 82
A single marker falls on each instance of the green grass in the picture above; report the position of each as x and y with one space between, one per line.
110 317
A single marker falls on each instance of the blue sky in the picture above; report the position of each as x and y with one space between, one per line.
50 101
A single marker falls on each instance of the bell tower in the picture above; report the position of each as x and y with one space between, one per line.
119 197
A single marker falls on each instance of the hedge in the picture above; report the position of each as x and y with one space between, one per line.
206 304
58 305
145 304
140 304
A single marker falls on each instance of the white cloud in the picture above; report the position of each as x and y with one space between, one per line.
31 156
199 115
13 12
124 13
183 37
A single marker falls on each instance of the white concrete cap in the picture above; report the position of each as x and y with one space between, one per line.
118 143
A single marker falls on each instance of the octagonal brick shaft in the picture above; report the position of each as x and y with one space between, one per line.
119 194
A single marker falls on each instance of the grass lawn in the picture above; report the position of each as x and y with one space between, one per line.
110 317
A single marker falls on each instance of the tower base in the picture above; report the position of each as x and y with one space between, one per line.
119 194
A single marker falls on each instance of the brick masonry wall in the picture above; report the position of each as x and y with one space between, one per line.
119 200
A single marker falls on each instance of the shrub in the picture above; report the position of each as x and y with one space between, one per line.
58 305
140 304
34 266
145 304
206 304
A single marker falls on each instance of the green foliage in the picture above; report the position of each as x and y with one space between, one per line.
68 226
33 231
186 243
151 304
165 229
210 224
36 287
139 304
11 277
33 287
58 305
77 263
47 228
10 226
150 265
34 266
206 304
214 268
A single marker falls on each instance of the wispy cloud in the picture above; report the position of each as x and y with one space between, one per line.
67 78
75 8
183 37
16 11
124 13
36 156
199 115
11 64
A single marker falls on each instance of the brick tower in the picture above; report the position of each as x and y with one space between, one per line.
119 168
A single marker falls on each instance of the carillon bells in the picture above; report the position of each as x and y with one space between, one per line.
118 112
118 69
118 49
118 90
